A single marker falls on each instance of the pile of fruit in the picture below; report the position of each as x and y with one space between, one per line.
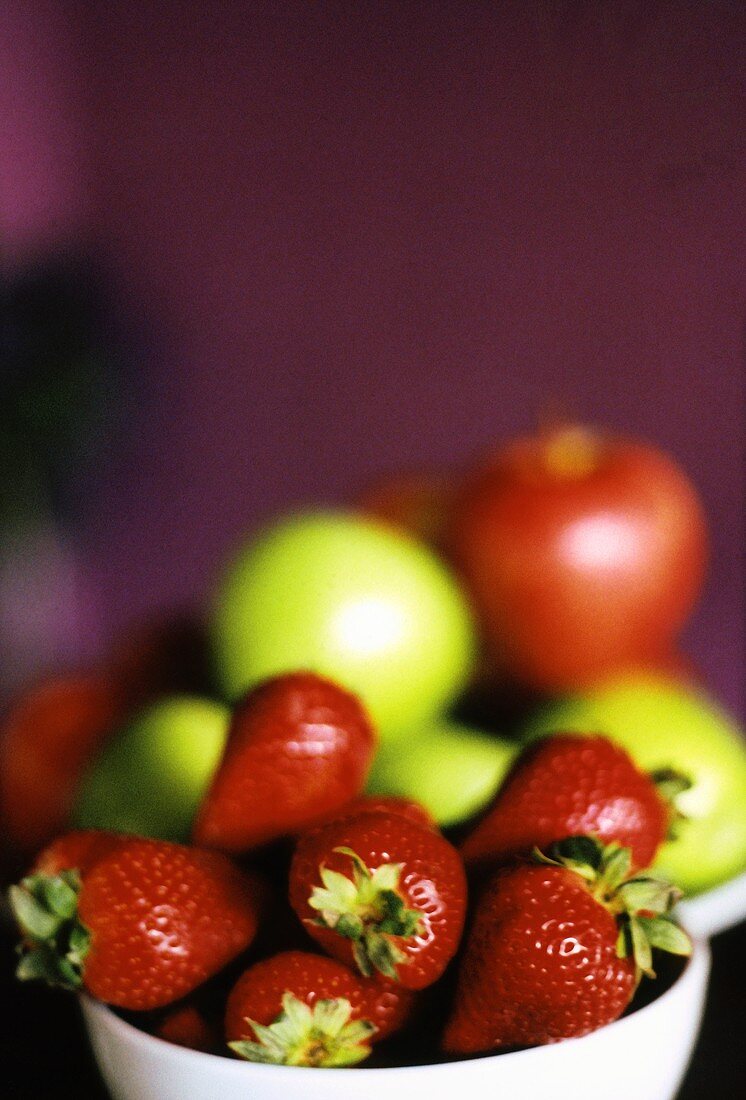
241 840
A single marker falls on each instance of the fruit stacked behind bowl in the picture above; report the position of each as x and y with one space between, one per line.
583 555
130 743
544 591
257 756
368 903
133 744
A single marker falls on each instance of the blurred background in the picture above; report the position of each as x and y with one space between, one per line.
256 255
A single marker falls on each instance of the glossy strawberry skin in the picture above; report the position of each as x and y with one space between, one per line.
299 748
540 964
77 851
386 804
163 919
432 882
567 785
259 991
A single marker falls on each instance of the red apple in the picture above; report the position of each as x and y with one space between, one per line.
583 552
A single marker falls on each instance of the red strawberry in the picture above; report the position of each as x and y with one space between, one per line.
566 785
382 893
557 948
299 748
387 804
77 851
186 1026
139 927
301 1009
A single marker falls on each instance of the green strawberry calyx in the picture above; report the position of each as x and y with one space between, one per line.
55 942
671 783
368 910
640 904
324 1035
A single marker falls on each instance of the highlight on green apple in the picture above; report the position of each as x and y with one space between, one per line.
352 599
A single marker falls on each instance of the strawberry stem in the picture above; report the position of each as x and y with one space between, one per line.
302 1036
641 905
368 910
670 784
55 942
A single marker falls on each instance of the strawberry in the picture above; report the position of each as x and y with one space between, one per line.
382 893
301 1009
138 926
388 804
299 748
557 948
76 851
569 784
186 1026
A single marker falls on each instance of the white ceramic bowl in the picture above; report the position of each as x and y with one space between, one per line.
642 1056
716 910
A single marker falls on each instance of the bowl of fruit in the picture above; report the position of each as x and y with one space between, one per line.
644 1054
324 923
362 945
425 802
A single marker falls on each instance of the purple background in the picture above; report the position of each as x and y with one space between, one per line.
346 238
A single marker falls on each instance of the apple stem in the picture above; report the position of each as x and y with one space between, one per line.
571 452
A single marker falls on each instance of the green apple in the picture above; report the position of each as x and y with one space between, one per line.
451 769
353 600
151 777
665 725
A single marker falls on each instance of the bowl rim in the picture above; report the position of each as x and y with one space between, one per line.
717 909
696 968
